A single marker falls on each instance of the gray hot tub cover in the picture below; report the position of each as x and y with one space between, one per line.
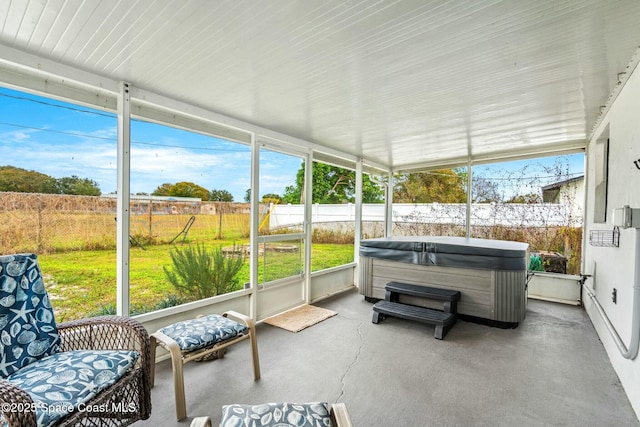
449 252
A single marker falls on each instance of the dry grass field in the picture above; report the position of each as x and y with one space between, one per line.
75 239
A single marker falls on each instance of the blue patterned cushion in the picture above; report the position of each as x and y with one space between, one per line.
313 414
28 329
63 382
203 331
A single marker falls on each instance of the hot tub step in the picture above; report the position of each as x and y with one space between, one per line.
441 320
450 298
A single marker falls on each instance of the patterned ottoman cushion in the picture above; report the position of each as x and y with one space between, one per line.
64 382
203 331
312 414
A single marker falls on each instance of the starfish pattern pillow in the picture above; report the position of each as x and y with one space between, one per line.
28 330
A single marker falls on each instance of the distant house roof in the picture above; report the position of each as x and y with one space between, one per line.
157 198
559 184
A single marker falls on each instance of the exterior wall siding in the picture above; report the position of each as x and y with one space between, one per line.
613 268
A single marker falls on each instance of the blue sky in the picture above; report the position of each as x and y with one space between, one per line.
523 177
61 140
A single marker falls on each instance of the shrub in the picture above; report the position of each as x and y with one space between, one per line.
201 273
166 302
104 310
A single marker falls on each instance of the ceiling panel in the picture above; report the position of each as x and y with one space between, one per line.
398 83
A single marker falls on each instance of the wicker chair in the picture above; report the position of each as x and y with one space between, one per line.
104 360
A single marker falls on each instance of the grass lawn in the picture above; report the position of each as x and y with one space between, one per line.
83 283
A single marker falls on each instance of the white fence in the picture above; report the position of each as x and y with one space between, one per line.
482 214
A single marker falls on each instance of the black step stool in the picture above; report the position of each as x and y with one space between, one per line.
442 320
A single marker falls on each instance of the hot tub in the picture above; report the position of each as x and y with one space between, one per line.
491 275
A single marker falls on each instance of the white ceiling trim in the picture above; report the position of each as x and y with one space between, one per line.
61 82
43 77
566 147
623 77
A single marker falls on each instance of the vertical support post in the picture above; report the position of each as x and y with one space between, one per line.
123 200
254 226
585 212
308 222
469 198
358 221
358 217
388 207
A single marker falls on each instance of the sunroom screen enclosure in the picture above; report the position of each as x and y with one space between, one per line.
379 88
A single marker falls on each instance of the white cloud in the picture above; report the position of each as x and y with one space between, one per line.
16 136
94 156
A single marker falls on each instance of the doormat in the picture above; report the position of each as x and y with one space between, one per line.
300 318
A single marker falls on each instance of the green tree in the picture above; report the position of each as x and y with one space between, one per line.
26 181
271 198
220 196
247 195
162 190
78 186
331 185
441 186
184 189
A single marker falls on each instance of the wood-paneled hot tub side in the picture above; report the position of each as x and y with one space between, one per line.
491 275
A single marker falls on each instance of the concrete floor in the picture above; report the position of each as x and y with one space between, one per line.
550 371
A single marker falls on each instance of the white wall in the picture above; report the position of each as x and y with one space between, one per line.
614 267
572 194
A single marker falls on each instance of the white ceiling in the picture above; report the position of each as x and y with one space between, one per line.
403 84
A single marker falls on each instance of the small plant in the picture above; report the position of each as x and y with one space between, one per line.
167 301
201 273
104 310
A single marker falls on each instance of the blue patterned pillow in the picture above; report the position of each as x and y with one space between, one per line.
203 331
28 329
66 381
312 414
